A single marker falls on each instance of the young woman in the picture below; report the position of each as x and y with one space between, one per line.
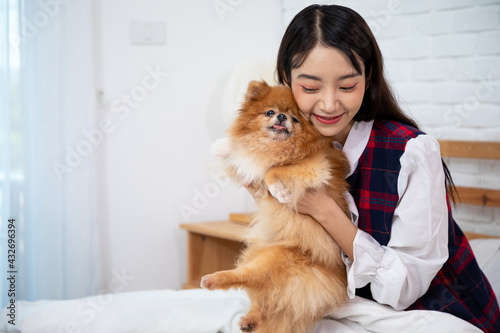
404 249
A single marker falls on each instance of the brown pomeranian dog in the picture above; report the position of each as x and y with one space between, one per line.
291 268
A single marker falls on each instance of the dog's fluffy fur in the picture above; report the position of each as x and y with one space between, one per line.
291 268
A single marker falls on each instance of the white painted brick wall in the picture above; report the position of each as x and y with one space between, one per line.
442 58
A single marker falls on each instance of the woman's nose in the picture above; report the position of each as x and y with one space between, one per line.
329 102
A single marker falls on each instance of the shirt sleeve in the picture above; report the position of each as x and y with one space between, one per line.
402 271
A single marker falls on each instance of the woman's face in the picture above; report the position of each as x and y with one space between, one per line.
329 91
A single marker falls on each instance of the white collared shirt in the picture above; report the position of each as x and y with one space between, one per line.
402 271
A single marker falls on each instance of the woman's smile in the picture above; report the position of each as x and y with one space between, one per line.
328 120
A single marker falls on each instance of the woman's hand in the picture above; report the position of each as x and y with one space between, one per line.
318 204
325 210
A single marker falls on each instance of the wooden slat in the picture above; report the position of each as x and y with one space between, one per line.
477 196
474 235
470 149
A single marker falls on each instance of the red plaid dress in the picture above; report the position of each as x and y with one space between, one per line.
460 287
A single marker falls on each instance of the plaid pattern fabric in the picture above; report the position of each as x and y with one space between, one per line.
459 288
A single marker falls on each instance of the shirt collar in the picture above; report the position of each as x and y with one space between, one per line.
356 141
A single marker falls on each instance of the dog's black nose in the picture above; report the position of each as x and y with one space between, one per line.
281 117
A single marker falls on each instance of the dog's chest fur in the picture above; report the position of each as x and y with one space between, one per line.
248 167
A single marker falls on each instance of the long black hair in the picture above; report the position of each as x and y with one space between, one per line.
344 29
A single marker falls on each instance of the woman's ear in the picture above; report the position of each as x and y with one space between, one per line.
368 78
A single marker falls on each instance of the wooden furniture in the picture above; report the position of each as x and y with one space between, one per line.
477 150
212 246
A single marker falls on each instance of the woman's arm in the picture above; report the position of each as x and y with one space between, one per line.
323 208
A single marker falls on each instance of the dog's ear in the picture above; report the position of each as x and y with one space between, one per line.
257 89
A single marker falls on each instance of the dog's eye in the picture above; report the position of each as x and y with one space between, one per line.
270 113
295 120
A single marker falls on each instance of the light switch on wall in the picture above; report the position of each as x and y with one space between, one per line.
142 32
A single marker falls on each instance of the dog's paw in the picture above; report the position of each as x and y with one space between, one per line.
220 280
247 325
221 147
280 192
207 282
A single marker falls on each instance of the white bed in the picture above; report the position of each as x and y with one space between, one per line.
201 311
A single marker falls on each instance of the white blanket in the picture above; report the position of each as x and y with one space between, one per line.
200 311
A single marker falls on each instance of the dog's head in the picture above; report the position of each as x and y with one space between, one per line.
270 122
269 111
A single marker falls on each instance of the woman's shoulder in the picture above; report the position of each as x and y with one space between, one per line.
396 135
396 129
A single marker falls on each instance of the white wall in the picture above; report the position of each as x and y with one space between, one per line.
442 58
158 154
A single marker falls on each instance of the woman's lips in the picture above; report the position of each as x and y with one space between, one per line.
328 120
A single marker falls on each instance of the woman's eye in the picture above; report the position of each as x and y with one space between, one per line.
270 113
295 120
308 90
348 88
